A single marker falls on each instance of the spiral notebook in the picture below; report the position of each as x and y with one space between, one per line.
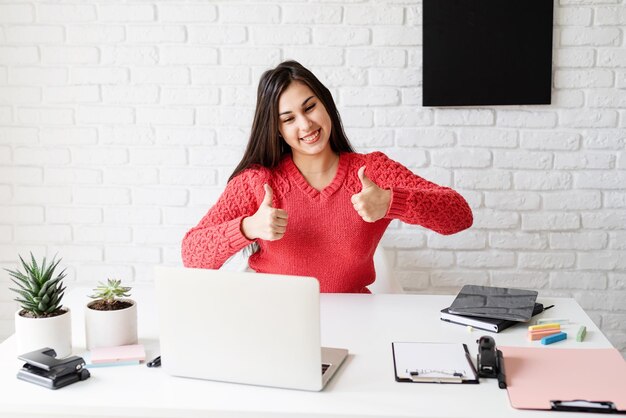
420 362
487 324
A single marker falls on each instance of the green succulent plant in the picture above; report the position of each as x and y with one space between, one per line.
111 291
40 291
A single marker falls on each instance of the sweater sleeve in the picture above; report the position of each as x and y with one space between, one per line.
415 200
218 234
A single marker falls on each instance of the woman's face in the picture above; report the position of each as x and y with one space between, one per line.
303 121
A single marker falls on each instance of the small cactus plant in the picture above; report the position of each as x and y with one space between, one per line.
108 295
40 291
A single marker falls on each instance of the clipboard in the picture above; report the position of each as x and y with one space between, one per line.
566 379
419 362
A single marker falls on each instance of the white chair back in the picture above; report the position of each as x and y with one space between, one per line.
385 281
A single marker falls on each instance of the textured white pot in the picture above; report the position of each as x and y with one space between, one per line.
36 333
111 328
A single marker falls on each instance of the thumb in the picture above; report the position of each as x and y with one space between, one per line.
365 182
269 195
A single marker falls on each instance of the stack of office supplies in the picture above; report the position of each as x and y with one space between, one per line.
537 332
492 308
124 355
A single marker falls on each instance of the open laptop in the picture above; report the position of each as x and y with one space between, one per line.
252 328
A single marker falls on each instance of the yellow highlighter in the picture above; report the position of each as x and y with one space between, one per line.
544 326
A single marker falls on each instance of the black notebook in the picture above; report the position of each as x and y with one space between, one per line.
494 302
487 324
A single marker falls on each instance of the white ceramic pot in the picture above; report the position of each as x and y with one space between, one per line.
35 333
111 328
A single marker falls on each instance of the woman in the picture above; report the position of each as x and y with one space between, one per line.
309 203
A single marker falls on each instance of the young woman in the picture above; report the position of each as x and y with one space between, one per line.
309 203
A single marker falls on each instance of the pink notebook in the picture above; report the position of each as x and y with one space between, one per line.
536 376
123 353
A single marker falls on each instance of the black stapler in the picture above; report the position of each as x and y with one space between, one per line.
43 368
490 361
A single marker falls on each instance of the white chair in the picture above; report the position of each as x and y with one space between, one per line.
237 262
385 281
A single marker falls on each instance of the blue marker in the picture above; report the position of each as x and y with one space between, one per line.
553 338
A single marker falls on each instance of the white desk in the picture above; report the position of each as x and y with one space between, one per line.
363 387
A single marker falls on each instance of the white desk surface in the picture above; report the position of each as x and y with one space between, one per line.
363 387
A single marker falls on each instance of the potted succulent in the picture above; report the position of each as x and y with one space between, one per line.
111 319
42 321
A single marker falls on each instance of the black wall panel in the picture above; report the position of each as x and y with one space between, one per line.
487 52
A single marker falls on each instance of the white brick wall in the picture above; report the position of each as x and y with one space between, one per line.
121 121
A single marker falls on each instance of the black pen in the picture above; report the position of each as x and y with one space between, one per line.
155 363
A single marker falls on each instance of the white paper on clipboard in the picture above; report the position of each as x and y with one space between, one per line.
433 362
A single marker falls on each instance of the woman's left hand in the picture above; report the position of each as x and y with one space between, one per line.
372 202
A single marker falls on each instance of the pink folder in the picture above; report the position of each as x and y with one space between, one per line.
537 375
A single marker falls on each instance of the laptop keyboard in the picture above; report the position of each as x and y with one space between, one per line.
325 367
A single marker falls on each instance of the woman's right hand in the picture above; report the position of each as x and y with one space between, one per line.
268 223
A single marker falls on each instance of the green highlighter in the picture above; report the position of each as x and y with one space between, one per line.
582 331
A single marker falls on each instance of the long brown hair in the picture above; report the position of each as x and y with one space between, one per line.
265 146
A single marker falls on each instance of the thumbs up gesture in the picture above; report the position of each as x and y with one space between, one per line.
372 202
267 223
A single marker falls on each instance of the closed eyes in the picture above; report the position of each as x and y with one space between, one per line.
306 109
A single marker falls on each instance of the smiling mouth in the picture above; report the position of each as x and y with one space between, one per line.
309 139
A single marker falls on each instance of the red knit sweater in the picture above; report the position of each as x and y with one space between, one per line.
325 236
